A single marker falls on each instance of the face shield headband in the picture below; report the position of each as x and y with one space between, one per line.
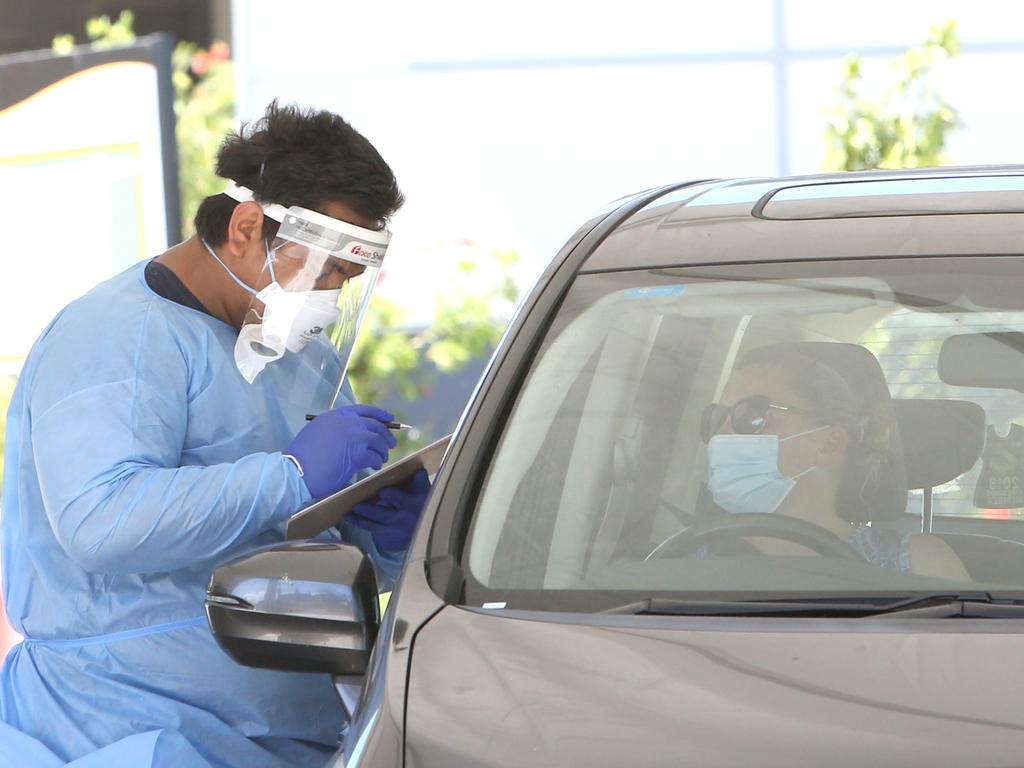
320 274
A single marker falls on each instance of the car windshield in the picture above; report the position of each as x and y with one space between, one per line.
764 432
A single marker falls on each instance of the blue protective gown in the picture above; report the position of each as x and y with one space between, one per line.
137 460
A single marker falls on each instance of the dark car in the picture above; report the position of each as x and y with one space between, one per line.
742 485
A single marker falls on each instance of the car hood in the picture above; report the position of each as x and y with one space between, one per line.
492 689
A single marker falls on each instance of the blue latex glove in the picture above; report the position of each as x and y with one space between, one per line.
392 518
337 444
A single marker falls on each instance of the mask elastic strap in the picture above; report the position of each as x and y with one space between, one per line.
805 472
801 434
805 432
270 262
226 269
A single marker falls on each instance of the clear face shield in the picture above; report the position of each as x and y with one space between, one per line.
320 275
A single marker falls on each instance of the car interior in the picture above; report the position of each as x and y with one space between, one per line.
599 465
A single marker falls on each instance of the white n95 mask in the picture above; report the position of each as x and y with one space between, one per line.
297 317
290 321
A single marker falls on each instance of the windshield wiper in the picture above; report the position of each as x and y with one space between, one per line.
939 605
974 605
656 606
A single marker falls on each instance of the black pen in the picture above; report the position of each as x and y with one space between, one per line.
388 424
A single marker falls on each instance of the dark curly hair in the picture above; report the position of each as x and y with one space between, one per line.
292 156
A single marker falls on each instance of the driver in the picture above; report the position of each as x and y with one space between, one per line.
789 438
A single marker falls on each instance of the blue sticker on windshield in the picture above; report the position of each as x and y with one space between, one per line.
655 291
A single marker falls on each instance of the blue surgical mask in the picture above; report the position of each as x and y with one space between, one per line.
744 474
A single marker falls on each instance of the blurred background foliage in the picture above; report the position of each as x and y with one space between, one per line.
905 124
395 363
204 108
204 105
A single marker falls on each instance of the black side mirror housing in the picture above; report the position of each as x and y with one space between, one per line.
305 606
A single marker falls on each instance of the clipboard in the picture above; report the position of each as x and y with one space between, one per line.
330 511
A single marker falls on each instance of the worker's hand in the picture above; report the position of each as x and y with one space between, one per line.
392 518
337 444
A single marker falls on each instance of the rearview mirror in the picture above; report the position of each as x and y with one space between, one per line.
994 360
305 606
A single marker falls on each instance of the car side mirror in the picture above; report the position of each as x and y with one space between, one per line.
305 606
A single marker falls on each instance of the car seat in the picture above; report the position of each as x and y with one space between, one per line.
942 440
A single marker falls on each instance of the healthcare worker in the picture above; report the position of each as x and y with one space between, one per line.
158 429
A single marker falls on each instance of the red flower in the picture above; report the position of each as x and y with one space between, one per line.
200 63
220 51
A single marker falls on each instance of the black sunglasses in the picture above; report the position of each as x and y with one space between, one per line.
747 416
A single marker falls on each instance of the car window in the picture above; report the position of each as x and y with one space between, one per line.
760 430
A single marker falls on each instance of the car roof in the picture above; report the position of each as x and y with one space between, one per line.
900 213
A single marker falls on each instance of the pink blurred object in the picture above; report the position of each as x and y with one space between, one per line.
8 637
997 514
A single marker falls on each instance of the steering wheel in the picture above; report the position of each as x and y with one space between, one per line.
742 525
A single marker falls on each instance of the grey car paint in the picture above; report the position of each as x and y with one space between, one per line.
499 691
457 686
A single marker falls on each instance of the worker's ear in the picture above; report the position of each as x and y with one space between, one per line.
245 232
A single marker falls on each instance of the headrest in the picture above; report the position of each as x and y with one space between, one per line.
942 439
878 493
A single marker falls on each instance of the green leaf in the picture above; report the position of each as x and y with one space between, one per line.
62 44
907 126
